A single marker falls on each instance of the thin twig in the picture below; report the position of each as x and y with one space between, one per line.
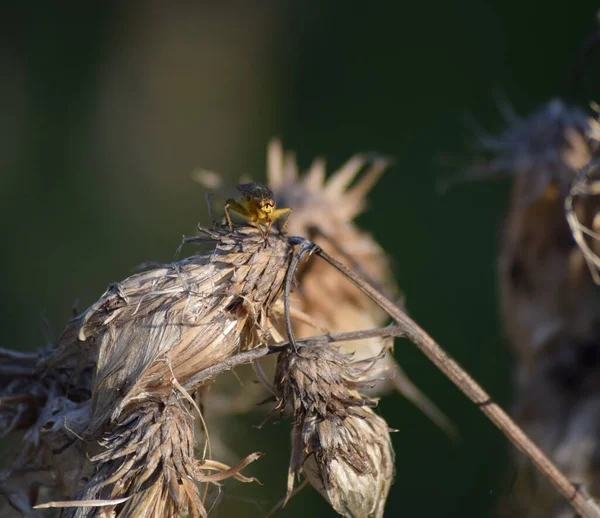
581 186
260 352
305 246
340 251
585 507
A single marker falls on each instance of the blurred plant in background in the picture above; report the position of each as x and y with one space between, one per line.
550 304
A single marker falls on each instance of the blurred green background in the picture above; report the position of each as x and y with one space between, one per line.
106 109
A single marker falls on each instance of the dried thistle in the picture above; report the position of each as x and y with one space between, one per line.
324 212
159 337
42 413
545 148
542 277
338 442
148 467
144 338
182 317
550 306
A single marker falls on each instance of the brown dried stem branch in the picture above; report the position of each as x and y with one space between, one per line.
265 350
586 507
583 186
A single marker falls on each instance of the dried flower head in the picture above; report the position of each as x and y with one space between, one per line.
324 212
42 411
175 320
547 147
542 277
549 302
338 442
148 467
143 339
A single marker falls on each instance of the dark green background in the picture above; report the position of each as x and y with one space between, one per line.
106 109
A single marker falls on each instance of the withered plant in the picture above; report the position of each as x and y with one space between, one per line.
142 339
104 418
324 210
550 305
338 442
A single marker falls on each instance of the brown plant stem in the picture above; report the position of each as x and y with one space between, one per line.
584 506
582 187
260 352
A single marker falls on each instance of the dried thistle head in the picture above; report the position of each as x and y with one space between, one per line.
542 274
143 339
324 210
549 303
338 442
545 148
148 467
175 320
41 413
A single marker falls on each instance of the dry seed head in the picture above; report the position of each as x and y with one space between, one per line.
175 320
542 274
341 445
352 464
322 381
148 458
324 212
142 339
549 302
547 147
42 412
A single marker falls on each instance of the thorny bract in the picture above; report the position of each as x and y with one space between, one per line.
257 206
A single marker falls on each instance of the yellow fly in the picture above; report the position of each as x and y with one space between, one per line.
257 206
